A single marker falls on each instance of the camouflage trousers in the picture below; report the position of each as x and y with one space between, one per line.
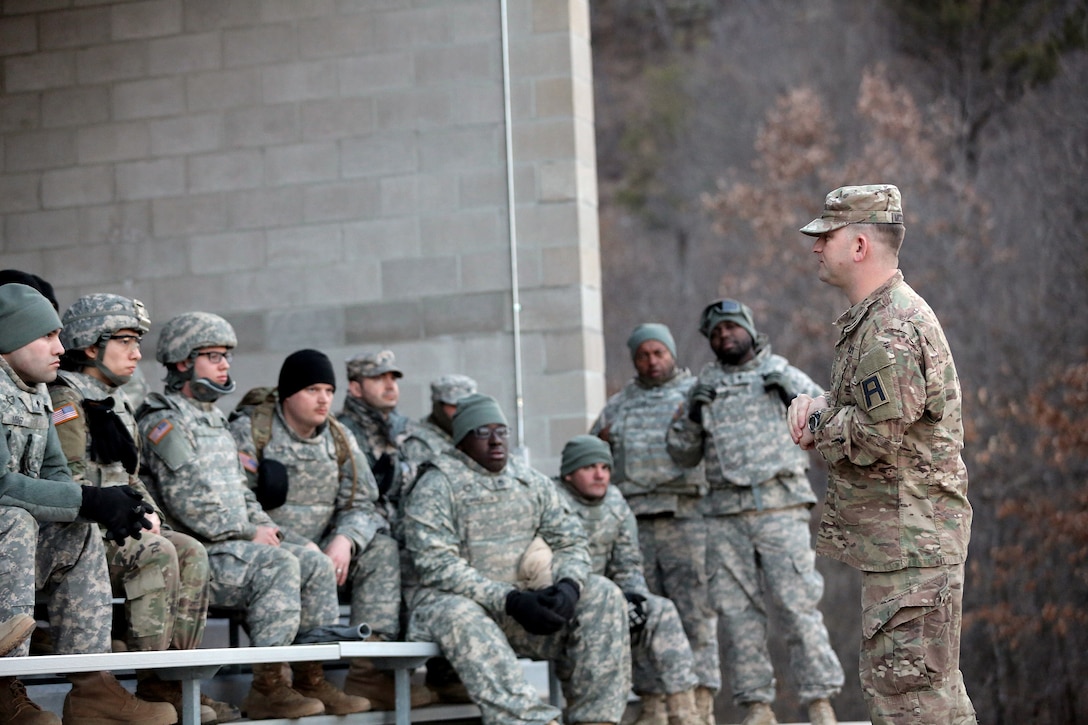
674 561
591 655
67 563
661 660
374 580
164 580
910 650
753 554
283 589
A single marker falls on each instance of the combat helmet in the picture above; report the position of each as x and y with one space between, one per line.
92 320
181 338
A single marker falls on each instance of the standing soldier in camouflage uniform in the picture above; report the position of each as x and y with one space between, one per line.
325 502
468 521
426 438
757 513
661 659
39 547
196 474
163 576
891 431
666 500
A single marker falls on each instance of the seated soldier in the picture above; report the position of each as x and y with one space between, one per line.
662 662
468 520
196 474
43 548
163 576
426 438
316 485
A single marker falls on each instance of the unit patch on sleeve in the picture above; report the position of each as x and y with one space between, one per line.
876 392
156 434
65 413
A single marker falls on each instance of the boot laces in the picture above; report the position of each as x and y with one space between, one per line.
21 701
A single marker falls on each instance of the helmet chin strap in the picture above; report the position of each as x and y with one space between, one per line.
115 379
206 390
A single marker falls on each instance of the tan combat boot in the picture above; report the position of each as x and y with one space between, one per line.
680 708
704 705
310 682
152 689
820 712
271 696
759 713
14 632
224 711
443 681
18 709
366 680
97 698
653 710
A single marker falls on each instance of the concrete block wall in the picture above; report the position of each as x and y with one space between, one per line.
323 174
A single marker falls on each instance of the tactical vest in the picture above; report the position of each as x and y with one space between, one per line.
87 388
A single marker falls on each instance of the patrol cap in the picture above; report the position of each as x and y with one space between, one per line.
449 389
872 204
25 315
373 364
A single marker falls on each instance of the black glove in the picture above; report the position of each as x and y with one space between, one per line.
636 612
776 383
272 482
120 509
110 439
561 598
528 610
701 394
384 469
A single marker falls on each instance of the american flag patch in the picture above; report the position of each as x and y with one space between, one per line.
64 414
248 462
159 432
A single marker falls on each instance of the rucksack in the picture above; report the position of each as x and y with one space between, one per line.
259 405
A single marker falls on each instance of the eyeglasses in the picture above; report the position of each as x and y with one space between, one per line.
485 432
215 356
128 342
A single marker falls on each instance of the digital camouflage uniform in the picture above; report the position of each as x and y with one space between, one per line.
466 530
897 504
197 477
758 524
666 500
378 435
661 656
324 500
422 441
163 577
39 546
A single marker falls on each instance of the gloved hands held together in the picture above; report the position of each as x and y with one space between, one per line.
120 509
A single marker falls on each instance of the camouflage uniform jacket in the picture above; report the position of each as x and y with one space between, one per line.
423 440
637 418
613 537
377 435
195 471
35 473
71 389
323 500
892 437
751 462
467 528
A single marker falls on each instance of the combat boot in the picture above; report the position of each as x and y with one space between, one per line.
704 705
224 711
759 713
18 709
270 696
444 682
653 710
820 712
152 689
680 708
366 680
310 682
97 698
14 632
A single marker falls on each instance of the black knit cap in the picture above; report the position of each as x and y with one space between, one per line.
302 369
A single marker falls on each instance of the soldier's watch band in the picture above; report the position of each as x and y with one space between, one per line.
814 422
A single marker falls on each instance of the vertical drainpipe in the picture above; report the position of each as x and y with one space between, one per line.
515 298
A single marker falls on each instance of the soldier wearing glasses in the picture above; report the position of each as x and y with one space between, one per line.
469 519
757 512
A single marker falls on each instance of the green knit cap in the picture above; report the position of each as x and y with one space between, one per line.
651 331
584 450
474 411
25 315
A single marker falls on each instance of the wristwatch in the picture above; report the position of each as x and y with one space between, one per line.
814 422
